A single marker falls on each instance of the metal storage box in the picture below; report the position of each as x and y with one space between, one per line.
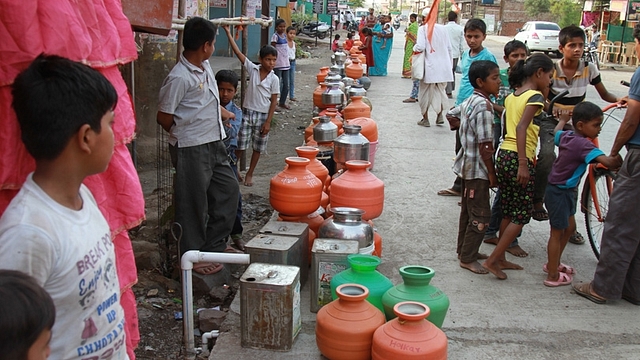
328 257
283 250
270 306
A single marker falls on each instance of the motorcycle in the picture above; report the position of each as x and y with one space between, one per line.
396 24
312 29
590 54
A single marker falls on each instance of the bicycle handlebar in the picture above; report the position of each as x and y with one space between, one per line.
555 98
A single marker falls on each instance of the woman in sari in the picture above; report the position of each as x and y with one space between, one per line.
380 54
410 39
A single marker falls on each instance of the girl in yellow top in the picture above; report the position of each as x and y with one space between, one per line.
515 169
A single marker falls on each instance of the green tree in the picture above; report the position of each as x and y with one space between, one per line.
393 5
535 7
356 4
568 11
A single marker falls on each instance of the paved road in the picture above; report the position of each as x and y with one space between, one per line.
518 318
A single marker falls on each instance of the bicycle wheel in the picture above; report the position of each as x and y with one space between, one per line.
595 205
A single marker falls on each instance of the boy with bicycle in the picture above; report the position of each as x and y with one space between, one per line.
576 151
573 74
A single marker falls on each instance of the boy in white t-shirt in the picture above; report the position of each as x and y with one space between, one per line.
259 103
53 229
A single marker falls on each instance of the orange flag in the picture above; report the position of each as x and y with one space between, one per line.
431 20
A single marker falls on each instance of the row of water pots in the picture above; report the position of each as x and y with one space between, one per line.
350 319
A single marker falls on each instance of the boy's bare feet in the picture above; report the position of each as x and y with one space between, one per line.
482 256
240 179
495 271
492 241
248 180
475 267
507 265
383 46
517 251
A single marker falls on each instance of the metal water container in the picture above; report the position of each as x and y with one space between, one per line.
325 131
328 257
340 56
283 250
357 90
350 146
333 95
347 224
270 306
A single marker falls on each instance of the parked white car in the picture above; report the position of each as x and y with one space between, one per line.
540 36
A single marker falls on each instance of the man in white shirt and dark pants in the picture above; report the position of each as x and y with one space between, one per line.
456 36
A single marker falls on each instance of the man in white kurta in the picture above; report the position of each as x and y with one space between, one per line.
437 72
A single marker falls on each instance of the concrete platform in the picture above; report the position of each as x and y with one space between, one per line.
518 318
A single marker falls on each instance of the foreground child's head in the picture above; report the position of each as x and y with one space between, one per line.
350 35
337 37
199 36
27 315
587 119
537 67
484 75
514 50
475 31
571 40
61 104
268 55
227 85
281 25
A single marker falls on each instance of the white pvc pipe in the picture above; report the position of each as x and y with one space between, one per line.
186 263
209 335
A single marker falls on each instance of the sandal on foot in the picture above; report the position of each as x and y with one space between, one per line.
563 268
563 279
231 250
448 192
410 100
584 289
540 215
207 268
577 239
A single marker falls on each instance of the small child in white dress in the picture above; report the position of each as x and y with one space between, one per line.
386 30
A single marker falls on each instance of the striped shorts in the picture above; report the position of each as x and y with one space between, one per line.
252 122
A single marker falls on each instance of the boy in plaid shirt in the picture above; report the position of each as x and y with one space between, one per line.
474 161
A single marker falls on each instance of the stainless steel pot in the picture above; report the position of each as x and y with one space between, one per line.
325 131
333 95
350 146
357 90
347 224
340 57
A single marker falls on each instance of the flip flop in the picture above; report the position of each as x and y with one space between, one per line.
584 289
577 239
540 215
448 192
207 268
563 268
630 299
563 279
410 100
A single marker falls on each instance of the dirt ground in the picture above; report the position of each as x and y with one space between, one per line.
158 291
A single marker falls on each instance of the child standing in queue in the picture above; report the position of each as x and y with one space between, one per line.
475 32
281 69
515 169
227 87
259 103
514 51
366 48
474 161
576 151
291 49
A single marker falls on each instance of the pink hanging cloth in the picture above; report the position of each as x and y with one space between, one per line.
98 34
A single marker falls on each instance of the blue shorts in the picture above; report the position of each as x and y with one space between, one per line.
561 205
